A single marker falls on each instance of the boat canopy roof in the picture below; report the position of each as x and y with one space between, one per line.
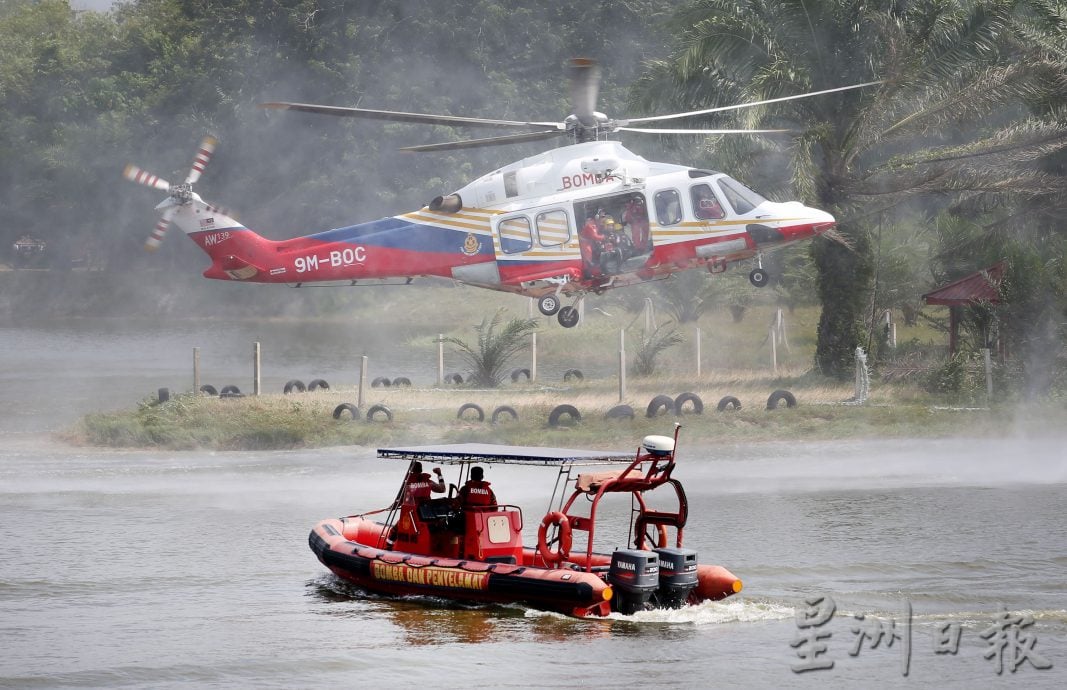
490 453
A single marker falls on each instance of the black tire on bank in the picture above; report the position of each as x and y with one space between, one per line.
471 406
208 389
781 396
454 378
401 381
575 374
317 384
295 384
560 410
379 382
681 400
346 407
728 402
230 391
503 410
620 412
665 402
518 373
375 409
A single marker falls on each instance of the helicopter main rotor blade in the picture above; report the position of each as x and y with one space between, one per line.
644 130
396 116
584 85
490 141
753 104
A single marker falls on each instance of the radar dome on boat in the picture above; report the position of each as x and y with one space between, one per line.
658 445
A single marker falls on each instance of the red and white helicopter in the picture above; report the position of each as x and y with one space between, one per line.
582 218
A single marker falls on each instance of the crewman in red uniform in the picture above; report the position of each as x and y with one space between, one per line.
636 216
476 492
419 485
590 240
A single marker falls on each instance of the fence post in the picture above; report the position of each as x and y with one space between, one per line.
255 369
196 370
988 373
440 359
622 365
533 357
362 380
774 349
863 378
780 324
698 350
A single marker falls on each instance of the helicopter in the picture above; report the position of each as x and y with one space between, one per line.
583 218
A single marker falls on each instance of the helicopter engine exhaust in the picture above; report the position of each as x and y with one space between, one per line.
447 204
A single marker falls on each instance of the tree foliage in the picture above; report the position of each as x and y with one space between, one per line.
83 93
961 116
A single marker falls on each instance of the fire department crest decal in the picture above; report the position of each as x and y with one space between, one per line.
471 245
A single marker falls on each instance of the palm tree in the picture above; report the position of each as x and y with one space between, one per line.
651 345
947 124
489 357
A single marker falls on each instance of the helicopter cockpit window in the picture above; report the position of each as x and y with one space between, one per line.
515 235
705 205
553 228
668 207
740 197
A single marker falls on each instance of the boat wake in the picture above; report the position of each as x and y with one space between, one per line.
734 610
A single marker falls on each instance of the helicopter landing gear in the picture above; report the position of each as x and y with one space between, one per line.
758 277
548 305
568 317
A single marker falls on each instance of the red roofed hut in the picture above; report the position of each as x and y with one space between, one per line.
982 287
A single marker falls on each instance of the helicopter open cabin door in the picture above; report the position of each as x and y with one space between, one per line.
614 234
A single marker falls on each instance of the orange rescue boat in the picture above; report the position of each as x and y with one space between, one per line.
436 547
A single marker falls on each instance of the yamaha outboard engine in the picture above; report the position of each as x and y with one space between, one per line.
677 576
634 575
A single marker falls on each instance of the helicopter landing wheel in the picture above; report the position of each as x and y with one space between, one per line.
758 277
568 317
549 305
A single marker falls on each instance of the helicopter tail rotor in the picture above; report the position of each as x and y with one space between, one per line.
202 158
135 174
177 194
156 238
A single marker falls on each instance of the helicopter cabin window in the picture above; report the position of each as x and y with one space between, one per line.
705 205
740 197
553 228
515 235
668 207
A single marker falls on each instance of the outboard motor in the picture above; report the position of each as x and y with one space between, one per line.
677 576
634 575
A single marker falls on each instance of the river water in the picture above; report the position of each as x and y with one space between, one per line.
191 569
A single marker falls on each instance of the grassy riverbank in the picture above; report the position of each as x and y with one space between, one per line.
737 358
429 415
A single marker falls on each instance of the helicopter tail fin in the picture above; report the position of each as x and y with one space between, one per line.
236 252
